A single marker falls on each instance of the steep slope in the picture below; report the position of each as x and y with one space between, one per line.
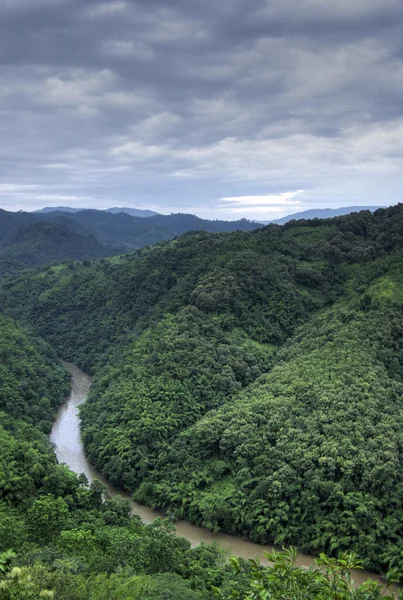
32 384
253 281
59 537
310 454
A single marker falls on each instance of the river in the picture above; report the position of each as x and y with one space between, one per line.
65 436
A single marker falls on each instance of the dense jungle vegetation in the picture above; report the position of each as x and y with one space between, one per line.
247 381
61 538
50 243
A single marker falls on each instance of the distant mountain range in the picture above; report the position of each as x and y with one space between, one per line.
314 213
29 239
50 235
321 213
133 212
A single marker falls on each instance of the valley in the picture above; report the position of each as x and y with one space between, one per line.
246 383
66 438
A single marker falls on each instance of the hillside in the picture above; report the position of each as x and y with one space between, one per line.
60 537
13 223
64 539
50 243
250 382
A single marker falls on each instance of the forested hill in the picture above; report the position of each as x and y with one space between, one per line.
117 228
45 242
63 539
34 239
246 381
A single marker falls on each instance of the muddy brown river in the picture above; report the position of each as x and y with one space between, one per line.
65 436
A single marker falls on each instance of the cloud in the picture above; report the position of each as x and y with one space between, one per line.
137 151
105 9
182 104
276 200
260 205
14 188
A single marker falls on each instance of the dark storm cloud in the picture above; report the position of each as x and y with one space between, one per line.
178 105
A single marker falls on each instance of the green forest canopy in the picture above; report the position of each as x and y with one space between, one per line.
61 538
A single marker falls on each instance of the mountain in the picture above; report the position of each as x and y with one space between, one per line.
117 228
49 209
81 234
134 212
249 382
321 213
136 232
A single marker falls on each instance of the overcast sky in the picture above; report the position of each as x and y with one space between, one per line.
222 108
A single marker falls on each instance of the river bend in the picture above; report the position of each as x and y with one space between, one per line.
66 438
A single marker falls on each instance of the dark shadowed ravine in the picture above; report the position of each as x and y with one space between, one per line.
65 436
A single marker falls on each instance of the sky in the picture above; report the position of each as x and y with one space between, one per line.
222 108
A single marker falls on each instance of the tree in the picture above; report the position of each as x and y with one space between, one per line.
47 517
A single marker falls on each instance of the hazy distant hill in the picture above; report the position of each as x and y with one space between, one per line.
321 213
12 223
32 239
49 209
133 212
136 232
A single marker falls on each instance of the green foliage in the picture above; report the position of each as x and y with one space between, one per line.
32 385
46 517
309 452
163 382
282 579
250 281
5 559
50 243
20 585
